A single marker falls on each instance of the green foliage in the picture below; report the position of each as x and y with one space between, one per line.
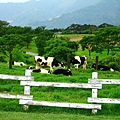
60 48
111 60
40 40
106 38
18 54
87 42
8 43
2 58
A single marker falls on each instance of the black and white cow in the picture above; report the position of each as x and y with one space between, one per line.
18 63
47 61
41 70
78 61
31 67
63 71
102 67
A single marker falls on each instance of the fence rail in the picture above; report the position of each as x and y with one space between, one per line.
95 84
58 84
60 104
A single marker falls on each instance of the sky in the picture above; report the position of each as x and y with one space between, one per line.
14 1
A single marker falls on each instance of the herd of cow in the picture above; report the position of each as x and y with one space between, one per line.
52 62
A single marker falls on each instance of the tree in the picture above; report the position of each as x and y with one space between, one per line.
87 42
8 43
27 32
57 48
3 24
106 38
40 40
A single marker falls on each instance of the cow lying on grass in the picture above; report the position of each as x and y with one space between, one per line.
41 70
102 67
63 71
18 63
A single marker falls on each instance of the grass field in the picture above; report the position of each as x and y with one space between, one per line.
74 37
11 110
53 116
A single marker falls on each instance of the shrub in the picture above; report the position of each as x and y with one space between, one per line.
111 60
2 59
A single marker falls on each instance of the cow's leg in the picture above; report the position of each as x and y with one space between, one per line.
76 66
84 65
37 65
51 69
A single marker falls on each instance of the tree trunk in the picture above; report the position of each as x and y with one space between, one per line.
10 61
68 61
89 53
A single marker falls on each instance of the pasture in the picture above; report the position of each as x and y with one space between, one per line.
11 109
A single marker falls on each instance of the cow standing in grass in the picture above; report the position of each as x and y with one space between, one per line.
47 61
79 61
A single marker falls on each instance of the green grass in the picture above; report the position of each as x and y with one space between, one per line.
10 108
52 116
58 94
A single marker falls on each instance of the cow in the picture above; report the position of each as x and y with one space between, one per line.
41 70
63 71
31 67
18 63
78 61
102 67
48 61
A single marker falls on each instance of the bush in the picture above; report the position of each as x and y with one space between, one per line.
2 59
112 61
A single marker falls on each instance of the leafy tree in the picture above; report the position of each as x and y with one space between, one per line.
57 48
87 42
72 44
3 24
8 43
106 38
38 30
40 40
104 25
28 34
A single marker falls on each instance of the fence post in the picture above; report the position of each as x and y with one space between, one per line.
27 88
94 91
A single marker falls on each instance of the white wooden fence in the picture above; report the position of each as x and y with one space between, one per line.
27 81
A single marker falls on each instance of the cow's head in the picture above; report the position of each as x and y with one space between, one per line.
31 67
74 61
69 73
61 64
93 65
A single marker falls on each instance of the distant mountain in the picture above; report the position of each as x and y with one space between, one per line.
106 11
34 11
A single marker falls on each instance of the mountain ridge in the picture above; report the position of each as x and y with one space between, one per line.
59 14
103 12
